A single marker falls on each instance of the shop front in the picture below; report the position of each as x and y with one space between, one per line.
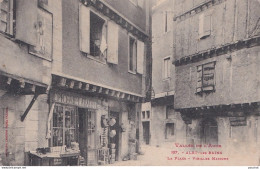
86 130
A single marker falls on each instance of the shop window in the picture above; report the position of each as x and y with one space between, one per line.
166 68
206 77
64 125
6 16
98 37
204 26
132 54
169 130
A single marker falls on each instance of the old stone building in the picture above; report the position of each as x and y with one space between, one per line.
161 124
72 80
216 55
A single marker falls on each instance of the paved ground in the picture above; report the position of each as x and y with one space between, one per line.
155 156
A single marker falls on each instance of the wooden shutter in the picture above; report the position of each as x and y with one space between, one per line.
84 28
112 43
201 25
199 79
204 25
26 19
140 57
207 25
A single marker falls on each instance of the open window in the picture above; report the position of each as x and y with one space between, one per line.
98 37
6 16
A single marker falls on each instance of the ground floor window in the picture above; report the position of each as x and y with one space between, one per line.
64 126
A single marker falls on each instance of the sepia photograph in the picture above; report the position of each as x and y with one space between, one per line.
129 83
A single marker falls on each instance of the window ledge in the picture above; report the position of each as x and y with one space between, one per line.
131 72
97 60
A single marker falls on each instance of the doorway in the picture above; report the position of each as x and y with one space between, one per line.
210 131
87 135
146 132
115 139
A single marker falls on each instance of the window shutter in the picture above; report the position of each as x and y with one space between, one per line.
140 57
26 18
84 28
201 25
207 25
112 39
199 79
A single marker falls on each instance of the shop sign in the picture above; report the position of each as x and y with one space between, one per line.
76 100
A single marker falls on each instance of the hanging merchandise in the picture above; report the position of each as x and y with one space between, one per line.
112 133
112 122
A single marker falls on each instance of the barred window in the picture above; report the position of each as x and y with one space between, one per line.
206 77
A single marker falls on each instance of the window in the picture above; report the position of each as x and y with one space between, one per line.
64 125
206 77
146 115
98 37
6 16
169 130
166 67
204 26
132 54
165 21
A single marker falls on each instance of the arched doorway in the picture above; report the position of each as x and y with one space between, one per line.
209 131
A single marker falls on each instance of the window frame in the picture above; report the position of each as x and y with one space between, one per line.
10 18
168 68
201 79
106 23
134 60
64 108
171 136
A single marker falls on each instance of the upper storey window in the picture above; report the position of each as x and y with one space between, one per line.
6 16
98 37
204 25
206 77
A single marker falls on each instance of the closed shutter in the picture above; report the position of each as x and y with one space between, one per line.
204 25
84 28
112 39
140 57
199 79
207 25
201 25
26 19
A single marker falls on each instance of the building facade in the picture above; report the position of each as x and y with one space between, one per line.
88 62
161 124
216 55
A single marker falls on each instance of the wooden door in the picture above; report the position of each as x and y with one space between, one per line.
146 132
